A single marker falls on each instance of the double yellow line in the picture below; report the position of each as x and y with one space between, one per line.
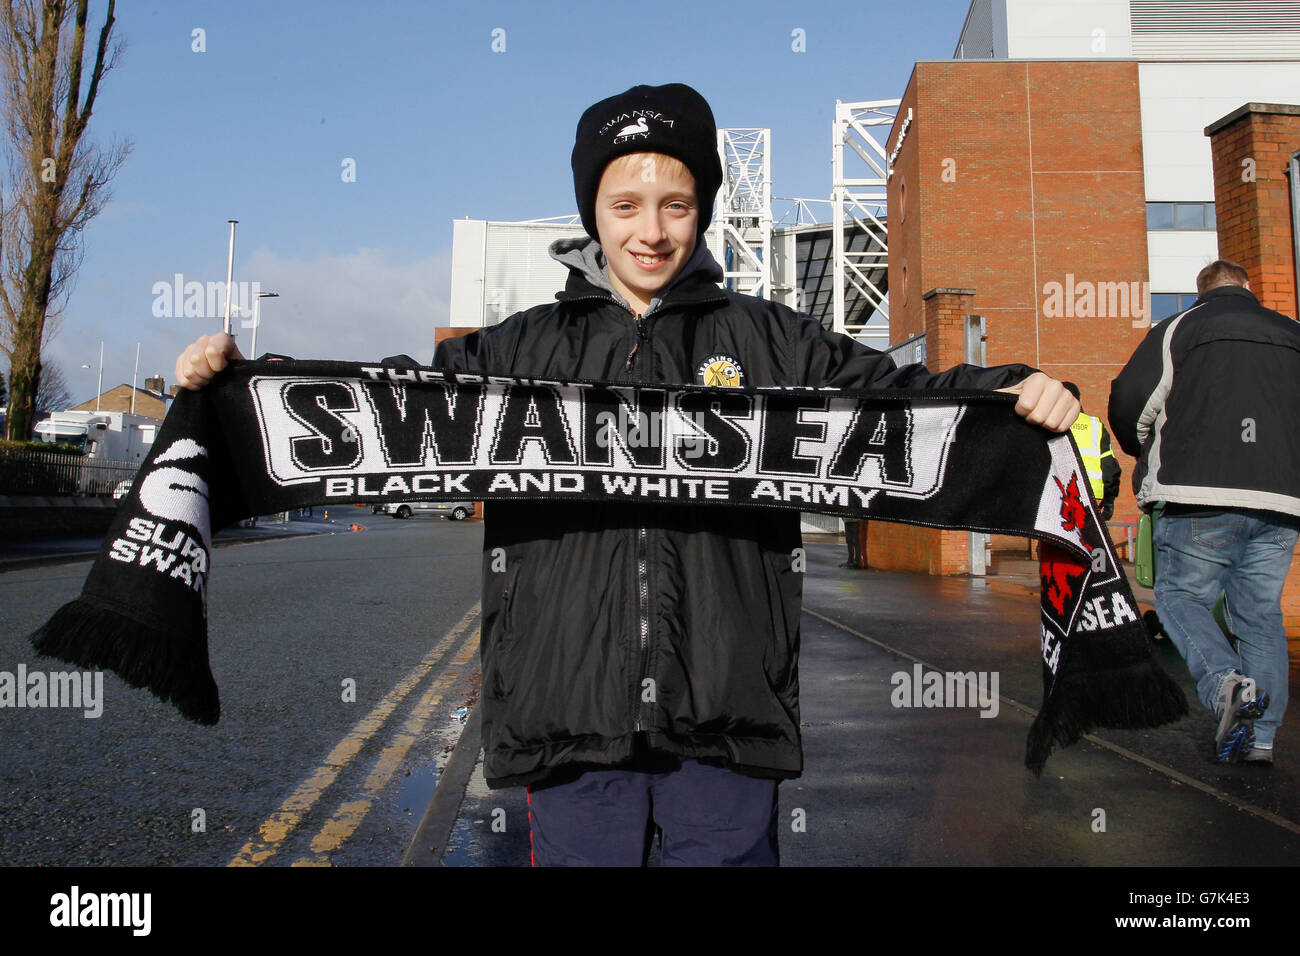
276 828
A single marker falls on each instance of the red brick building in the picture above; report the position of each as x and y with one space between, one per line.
1252 146
1020 182
1017 193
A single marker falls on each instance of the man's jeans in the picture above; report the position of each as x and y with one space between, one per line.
1245 554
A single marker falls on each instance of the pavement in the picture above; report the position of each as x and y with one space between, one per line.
907 785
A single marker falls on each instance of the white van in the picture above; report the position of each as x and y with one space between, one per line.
108 436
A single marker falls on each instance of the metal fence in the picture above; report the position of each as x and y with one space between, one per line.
26 471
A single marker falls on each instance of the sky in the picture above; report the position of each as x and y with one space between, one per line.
346 136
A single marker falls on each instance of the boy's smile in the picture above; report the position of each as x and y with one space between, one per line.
646 214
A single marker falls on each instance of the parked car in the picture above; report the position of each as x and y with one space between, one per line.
455 510
123 489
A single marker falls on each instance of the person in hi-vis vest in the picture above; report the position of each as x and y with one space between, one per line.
1094 448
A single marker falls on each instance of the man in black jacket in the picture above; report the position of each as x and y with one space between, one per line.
1207 405
640 662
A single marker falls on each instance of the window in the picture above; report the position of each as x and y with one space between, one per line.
1166 304
1160 215
1189 215
1180 215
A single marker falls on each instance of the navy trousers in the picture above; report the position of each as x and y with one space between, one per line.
708 815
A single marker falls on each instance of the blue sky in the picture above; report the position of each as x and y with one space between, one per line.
257 128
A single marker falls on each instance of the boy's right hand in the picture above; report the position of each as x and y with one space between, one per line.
205 358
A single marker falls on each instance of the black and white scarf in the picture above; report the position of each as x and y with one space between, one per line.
267 437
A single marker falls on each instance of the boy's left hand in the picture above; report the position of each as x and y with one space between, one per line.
1044 401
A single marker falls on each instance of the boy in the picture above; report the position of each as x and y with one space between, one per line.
640 662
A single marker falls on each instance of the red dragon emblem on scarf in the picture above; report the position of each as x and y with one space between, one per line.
1058 568
1073 513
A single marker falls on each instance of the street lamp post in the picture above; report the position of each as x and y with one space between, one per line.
99 388
134 373
257 318
252 353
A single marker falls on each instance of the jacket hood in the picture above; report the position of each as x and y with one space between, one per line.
588 273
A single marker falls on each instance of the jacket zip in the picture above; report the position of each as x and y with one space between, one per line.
642 536
636 346
642 550
642 563
643 578
642 326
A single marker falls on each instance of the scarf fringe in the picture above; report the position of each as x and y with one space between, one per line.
87 633
1139 695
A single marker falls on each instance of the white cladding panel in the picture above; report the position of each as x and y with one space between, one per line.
518 272
467 237
1216 29
1067 29
1180 99
1174 258
1142 29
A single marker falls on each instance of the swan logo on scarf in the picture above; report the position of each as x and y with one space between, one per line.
176 540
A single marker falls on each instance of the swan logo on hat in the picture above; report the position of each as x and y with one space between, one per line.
632 124
720 371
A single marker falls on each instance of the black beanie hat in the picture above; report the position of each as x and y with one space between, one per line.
673 120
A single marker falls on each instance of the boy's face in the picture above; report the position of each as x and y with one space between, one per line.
646 214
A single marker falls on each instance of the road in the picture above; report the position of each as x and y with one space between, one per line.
299 771
294 774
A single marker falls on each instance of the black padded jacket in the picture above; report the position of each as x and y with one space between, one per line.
608 629
1207 405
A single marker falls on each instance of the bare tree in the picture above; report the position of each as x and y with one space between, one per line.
53 394
57 180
